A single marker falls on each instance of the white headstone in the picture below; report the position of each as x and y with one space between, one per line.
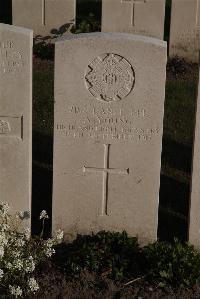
109 105
16 116
144 17
194 223
185 29
42 16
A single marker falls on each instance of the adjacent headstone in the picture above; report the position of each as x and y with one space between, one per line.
109 105
194 223
15 116
44 17
185 29
144 17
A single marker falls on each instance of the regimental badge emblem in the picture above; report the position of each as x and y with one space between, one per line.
4 127
110 77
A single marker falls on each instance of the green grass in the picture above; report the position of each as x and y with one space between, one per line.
119 257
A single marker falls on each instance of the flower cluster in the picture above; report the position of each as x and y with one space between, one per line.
20 253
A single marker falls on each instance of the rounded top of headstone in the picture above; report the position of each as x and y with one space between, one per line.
22 30
115 36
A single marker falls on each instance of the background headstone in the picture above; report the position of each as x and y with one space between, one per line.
16 116
44 17
194 223
185 29
109 105
143 17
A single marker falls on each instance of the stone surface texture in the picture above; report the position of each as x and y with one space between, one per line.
143 17
16 116
194 223
185 29
109 105
44 17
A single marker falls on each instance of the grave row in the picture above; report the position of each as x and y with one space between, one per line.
143 17
108 127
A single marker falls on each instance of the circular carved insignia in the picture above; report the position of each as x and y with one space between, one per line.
110 77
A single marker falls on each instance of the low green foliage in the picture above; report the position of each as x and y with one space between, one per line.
109 254
89 24
172 264
117 256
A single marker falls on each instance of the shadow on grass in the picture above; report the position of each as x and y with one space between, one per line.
176 155
43 148
42 182
173 209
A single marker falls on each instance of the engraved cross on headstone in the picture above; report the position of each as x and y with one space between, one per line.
43 12
133 3
105 171
198 14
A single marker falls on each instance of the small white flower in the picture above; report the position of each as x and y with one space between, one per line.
33 285
16 254
4 208
29 265
9 265
1 252
27 233
59 235
49 251
19 242
1 274
3 239
23 215
4 227
44 215
49 242
15 291
18 264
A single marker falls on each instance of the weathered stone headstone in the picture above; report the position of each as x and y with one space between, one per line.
194 223
109 104
143 17
185 29
16 116
43 16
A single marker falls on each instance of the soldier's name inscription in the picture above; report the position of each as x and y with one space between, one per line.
107 124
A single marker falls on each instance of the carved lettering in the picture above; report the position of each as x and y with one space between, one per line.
11 126
10 58
4 127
